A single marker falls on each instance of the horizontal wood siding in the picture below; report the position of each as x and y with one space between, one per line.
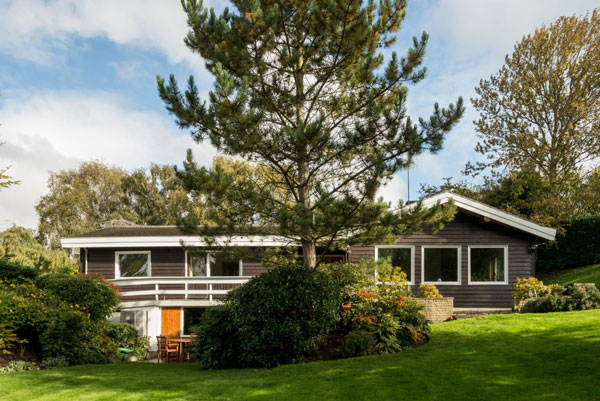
253 268
464 231
165 262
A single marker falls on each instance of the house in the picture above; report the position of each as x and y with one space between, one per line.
476 259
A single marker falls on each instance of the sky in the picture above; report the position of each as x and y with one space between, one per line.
78 83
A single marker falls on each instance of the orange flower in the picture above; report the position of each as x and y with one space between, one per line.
346 306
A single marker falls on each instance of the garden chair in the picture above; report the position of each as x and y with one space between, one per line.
187 347
166 349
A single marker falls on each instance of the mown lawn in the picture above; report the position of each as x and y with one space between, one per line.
504 357
587 274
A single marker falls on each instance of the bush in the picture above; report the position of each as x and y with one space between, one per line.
358 343
217 343
14 273
17 366
8 339
276 318
84 293
578 246
529 288
55 362
127 336
575 298
429 291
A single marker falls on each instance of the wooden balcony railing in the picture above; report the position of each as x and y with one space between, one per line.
171 288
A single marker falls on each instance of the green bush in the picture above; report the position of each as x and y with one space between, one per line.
217 345
84 293
276 318
127 336
11 272
17 366
574 298
358 343
578 246
55 362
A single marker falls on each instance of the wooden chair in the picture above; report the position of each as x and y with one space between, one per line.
188 346
165 349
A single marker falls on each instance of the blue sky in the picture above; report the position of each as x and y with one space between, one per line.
78 82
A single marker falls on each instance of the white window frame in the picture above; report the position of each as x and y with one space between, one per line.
118 270
412 257
208 269
459 261
505 282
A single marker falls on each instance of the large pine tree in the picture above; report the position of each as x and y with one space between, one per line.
302 90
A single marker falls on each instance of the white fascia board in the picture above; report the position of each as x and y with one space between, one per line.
171 241
492 213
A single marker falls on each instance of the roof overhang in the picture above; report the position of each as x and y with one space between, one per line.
496 215
171 241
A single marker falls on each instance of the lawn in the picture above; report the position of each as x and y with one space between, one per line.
587 274
502 357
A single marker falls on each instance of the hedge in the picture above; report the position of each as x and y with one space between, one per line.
578 246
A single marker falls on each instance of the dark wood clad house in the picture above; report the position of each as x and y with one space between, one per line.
476 259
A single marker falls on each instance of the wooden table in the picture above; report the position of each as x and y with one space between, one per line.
182 342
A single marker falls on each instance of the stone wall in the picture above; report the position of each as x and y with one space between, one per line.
437 309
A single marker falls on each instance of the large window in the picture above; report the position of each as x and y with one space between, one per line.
191 318
400 256
441 265
212 265
488 264
132 264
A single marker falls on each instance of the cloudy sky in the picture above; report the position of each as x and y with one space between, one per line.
78 82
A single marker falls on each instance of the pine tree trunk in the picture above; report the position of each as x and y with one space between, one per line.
309 253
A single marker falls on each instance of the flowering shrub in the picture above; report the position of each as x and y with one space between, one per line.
429 291
529 287
387 312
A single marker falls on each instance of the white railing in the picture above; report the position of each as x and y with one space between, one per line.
186 281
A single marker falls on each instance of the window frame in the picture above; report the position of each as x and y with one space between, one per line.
208 266
459 264
412 257
471 282
117 265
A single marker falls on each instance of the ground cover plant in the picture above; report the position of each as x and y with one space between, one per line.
504 357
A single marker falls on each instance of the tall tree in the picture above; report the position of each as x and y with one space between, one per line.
302 90
18 245
541 111
81 200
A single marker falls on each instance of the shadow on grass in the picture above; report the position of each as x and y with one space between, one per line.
534 357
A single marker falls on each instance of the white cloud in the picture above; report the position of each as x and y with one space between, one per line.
38 30
56 130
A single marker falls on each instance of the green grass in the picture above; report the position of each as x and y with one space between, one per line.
587 274
503 357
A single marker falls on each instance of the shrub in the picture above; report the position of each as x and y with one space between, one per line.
575 298
11 272
388 313
429 291
357 343
578 246
529 287
8 339
17 366
84 293
127 336
55 362
276 318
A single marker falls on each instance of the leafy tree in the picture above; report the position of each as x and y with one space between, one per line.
541 111
302 91
18 245
82 200
5 179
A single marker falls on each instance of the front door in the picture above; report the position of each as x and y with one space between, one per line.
170 322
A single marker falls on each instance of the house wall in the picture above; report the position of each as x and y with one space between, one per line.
467 230
165 262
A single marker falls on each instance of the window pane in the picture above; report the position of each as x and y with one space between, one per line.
196 265
191 318
441 264
400 257
133 264
487 264
224 265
